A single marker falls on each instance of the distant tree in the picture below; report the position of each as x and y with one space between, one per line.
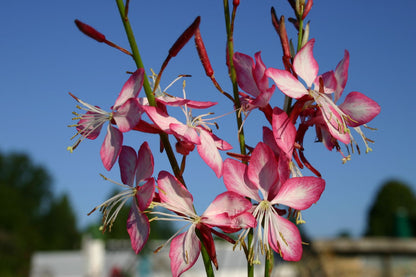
26 208
393 212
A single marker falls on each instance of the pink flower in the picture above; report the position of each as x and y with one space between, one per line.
229 212
252 79
358 108
298 193
125 113
136 170
195 131
306 67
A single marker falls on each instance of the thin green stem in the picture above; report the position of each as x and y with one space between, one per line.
229 26
205 257
148 90
268 267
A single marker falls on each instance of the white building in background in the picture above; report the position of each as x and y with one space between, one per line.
96 259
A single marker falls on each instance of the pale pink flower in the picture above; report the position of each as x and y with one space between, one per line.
125 113
273 231
229 212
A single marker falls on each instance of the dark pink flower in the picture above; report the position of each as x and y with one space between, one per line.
125 113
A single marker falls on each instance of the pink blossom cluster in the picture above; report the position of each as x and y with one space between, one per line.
265 190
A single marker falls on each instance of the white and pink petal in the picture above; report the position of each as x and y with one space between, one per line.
111 147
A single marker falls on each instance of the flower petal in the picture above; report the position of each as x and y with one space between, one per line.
209 152
131 88
111 147
127 162
184 252
341 75
360 108
145 163
160 118
300 192
229 203
90 124
138 228
244 66
284 238
128 115
288 84
185 132
174 194
305 64
235 179
145 194
284 132
261 170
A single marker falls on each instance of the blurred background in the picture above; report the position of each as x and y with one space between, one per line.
366 211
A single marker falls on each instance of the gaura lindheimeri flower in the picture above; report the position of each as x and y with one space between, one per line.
306 67
195 131
125 113
273 231
359 108
136 170
252 79
229 211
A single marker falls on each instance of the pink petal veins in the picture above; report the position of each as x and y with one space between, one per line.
300 192
131 88
111 147
305 64
288 84
360 108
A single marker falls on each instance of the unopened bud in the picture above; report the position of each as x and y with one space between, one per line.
90 31
236 3
305 37
202 52
307 8
184 38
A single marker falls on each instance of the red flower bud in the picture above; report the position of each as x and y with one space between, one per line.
236 3
184 38
307 8
202 52
90 31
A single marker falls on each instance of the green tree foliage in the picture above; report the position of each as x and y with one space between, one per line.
393 212
31 219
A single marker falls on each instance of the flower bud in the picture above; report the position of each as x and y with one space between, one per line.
90 31
184 38
202 52
307 8
236 3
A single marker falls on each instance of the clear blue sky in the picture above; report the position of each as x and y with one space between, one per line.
43 57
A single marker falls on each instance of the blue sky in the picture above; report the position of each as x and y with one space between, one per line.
43 57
